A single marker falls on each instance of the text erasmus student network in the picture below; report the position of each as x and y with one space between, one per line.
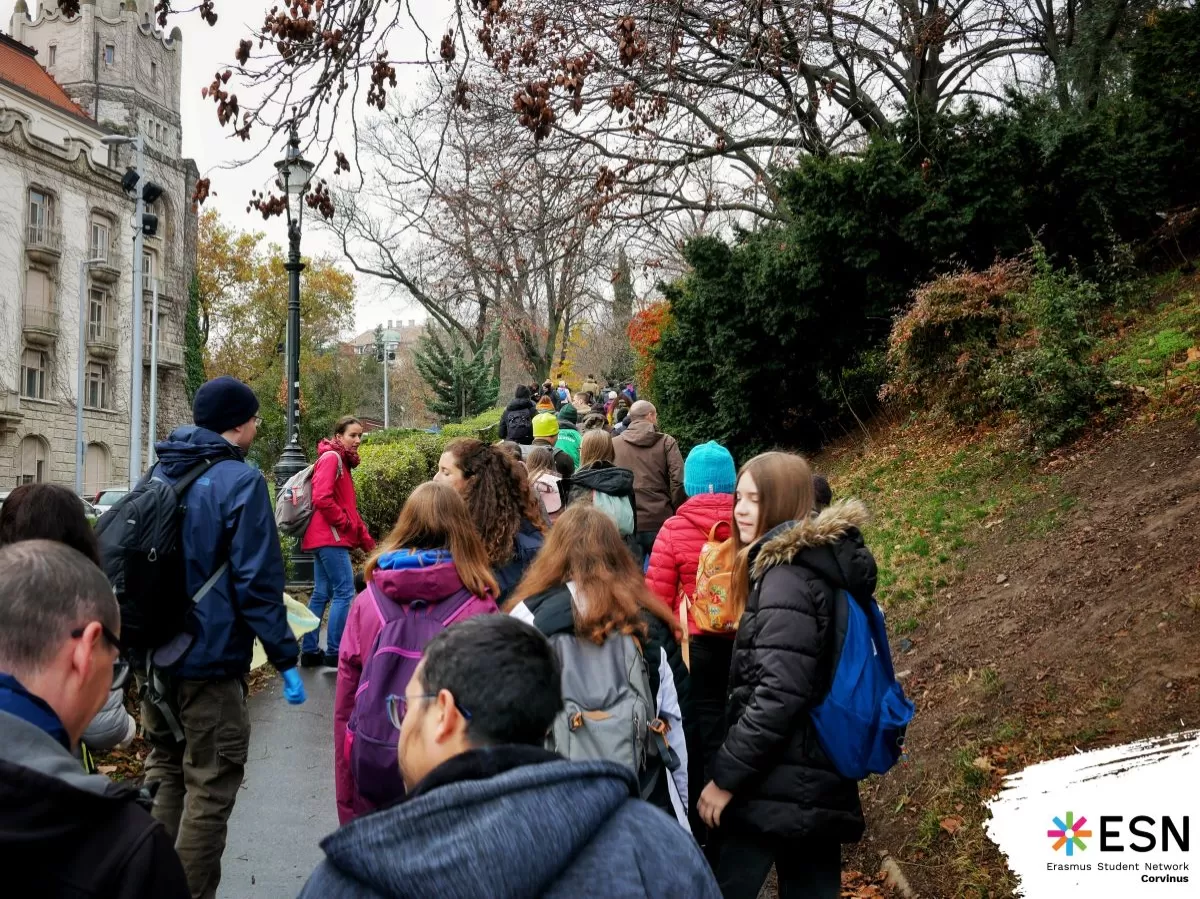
1071 835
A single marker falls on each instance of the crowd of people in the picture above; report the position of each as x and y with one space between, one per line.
578 663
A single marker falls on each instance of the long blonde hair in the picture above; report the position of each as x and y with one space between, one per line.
597 446
584 546
785 493
435 517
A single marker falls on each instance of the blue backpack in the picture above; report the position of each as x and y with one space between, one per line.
862 721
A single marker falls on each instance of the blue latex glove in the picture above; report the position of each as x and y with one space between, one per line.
293 687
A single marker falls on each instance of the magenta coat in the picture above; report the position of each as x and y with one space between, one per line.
335 520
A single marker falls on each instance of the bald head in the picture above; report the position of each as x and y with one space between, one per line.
642 410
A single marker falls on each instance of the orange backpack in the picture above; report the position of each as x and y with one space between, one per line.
714 572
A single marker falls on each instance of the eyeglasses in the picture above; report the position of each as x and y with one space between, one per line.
398 705
258 421
121 669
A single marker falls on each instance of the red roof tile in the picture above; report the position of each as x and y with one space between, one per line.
20 68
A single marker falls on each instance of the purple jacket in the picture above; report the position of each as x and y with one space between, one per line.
403 576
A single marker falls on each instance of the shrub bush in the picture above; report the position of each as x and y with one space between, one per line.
386 475
485 426
1048 378
957 327
1012 339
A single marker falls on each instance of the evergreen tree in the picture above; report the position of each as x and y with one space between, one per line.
620 367
193 354
463 385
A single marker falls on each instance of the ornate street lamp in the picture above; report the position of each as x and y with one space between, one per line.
294 174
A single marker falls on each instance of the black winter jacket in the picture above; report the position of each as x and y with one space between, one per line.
517 421
71 835
781 780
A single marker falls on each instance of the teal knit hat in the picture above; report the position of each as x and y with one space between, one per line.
709 469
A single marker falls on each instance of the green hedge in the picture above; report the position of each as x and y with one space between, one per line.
395 461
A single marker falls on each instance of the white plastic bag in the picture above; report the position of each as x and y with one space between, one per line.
301 620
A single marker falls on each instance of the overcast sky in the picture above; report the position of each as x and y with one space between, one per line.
223 159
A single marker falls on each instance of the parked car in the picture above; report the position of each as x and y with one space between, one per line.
106 499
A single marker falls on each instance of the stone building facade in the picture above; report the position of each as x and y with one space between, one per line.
64 85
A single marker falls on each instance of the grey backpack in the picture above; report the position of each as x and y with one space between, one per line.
609 711
294 504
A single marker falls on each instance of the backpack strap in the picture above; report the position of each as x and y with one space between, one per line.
339 461
712 532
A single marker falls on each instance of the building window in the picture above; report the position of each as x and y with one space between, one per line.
41 215
33 460
33 374
98 313
51 55
101 238
96 388
97 469
147 271
37 291
153 70
110 54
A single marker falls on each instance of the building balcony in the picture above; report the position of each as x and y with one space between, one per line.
102 340
39 324
43 243
10 410
170 355
105 269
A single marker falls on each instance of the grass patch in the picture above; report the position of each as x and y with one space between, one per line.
930 496
1150 353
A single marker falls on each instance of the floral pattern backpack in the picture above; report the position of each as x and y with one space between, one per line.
714 572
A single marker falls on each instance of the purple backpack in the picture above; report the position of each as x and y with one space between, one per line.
394 657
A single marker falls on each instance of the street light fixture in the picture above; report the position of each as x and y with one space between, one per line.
294 174
84 265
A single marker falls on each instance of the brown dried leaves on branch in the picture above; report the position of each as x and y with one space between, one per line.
630 45
383 76
201 193
227 104
532 105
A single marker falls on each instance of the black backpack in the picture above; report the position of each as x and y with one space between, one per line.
143 559
518 424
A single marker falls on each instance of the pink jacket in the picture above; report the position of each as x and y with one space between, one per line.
432 583
676 554
335 520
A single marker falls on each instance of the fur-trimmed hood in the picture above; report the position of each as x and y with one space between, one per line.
829 543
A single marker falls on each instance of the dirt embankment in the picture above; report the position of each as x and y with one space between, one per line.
1082 637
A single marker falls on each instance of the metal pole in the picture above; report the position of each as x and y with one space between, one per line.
291 460
152 430
385 388
79 447
135 407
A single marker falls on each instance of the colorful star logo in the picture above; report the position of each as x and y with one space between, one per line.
1069 834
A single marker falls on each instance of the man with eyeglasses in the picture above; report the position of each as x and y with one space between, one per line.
72 834
489 811
195 717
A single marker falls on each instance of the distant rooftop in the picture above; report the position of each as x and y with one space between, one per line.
19 68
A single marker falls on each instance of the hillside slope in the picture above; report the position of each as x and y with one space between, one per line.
1034 611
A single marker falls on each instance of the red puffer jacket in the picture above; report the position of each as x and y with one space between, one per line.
335 520
677 548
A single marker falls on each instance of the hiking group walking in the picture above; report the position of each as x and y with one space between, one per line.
577 663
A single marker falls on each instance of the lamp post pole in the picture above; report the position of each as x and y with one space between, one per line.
135 408
294 173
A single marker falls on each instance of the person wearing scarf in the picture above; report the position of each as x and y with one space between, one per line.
336 528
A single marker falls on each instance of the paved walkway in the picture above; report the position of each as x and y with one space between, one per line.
286 804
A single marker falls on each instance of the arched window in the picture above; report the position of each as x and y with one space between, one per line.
97 469
35 455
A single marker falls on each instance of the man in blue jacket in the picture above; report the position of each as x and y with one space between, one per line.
489 811
197 722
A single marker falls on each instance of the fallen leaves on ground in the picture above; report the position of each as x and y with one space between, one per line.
856 885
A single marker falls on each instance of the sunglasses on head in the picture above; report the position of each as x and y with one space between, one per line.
121 669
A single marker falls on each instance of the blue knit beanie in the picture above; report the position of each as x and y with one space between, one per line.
709 469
